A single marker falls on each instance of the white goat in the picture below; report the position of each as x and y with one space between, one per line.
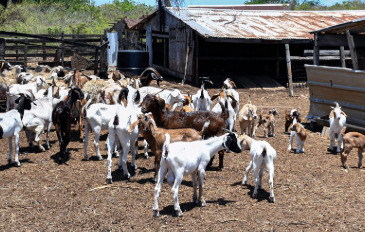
118 131
24 78
96 119
11 125
262 154
37 119
170 96
230 121
201 100
28 89
183 158
337 122
230 86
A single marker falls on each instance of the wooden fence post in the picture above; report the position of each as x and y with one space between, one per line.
96 62
288 64
350 40
63 49
342 57
316 50
2 49
16 51
26 53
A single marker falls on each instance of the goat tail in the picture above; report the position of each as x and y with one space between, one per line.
204 129
84 108
165 148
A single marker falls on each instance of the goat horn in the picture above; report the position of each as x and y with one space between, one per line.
337 105
226 130
158 92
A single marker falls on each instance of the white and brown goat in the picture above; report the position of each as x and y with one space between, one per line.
352 140
248 119
300 134
268 121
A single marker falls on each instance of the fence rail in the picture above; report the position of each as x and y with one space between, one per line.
18 47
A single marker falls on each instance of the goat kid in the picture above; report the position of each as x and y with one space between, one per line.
337 122
182 158
289 117
262 155
300 134
248 118
268 121
352 140
201 99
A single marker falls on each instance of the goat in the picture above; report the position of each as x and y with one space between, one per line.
234 100
23 78
217 109
182 158
170 96
30 89
119 130
289 116
268 120
337 122
11 125
300 134
201 99
4 65
262 154
61 118
352 140
175 120
36 119
186 105
156 136
97 118
247 118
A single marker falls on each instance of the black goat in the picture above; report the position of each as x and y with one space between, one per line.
61 118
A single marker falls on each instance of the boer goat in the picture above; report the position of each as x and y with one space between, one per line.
352 140
61 118
156 136
247 118
300 134
11 125
182 158
118 127
268 121
337 122
262 154
175 120
289 117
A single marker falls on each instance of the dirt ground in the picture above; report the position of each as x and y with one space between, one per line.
313 192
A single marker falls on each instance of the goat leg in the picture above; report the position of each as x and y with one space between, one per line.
221 157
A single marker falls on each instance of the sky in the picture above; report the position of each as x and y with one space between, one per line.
210 2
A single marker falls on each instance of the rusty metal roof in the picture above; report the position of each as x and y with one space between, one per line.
356 26
267 25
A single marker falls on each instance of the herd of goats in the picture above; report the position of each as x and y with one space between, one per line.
183 131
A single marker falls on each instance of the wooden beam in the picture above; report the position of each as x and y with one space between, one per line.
288 64
2 49
316 50
342 56
334 40
351 43
149 43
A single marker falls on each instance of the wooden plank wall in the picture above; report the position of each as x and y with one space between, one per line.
23 50
330 84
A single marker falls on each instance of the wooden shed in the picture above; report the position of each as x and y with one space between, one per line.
247 45
344 84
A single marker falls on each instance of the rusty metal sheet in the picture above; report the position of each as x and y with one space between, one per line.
270 25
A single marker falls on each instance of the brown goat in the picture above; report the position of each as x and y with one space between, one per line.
155 136
352 140
175 119
289 116
268 121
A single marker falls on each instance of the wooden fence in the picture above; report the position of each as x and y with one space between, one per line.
53 49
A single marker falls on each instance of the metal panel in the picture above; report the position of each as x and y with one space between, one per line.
113 48
330 84
268 25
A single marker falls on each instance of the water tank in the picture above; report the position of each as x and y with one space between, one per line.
133 61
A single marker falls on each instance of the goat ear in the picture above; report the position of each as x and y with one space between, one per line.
214 97
331 114
344 113
133 125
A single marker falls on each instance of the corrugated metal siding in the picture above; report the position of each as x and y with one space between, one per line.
270 25
330 84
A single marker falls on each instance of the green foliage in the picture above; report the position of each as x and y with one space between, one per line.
80 16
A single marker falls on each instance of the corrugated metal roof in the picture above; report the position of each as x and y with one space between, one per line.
268 25
356 26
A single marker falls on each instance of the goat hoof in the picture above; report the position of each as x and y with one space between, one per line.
220 168
272 199
134 167
266 136
156 213
179 213
128 176
109 180
17 164
254 196
100 158
203 203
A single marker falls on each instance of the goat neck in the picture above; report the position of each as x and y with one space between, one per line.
245 141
